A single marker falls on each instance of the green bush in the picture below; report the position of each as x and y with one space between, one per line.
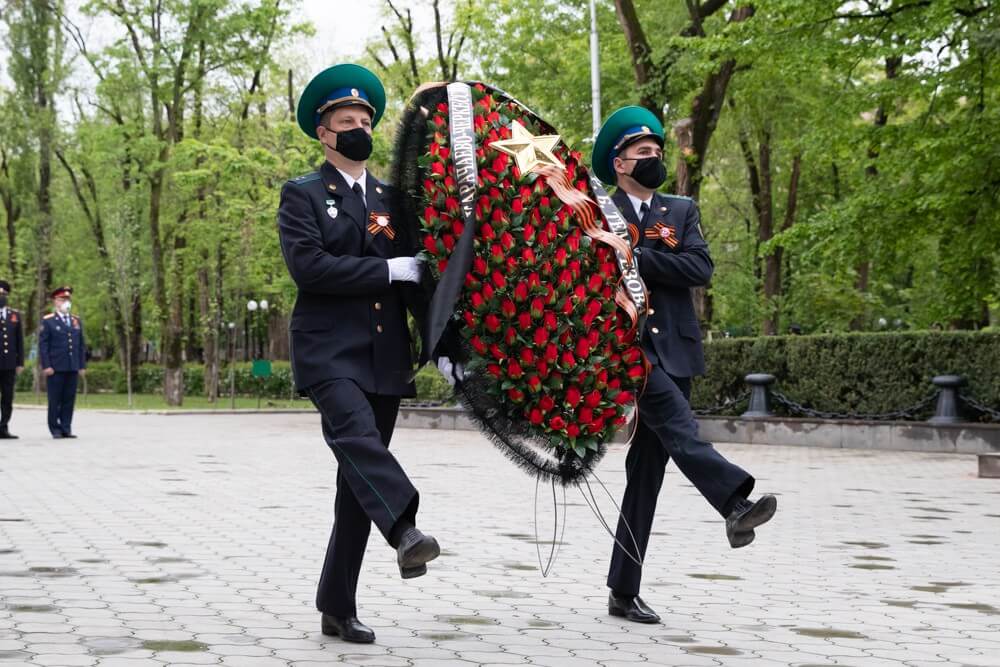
862 372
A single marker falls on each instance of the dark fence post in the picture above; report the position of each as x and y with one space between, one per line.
947 402
759 395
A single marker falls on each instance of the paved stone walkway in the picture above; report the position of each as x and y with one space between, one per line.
198 540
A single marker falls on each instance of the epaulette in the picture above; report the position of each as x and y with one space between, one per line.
307 178
679 197
49 316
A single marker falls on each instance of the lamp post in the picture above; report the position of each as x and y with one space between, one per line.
231 344
265 338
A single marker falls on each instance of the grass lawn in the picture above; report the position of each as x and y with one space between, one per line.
156 402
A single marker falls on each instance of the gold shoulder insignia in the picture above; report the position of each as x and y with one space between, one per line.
49 316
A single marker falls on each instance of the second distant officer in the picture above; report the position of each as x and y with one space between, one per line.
63 358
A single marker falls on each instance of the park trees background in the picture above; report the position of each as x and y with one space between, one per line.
846 155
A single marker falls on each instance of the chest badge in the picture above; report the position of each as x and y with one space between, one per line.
378 223
664 233
331 209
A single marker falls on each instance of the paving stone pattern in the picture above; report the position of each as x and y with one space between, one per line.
198 540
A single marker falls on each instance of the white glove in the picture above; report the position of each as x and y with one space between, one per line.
404 270
451 371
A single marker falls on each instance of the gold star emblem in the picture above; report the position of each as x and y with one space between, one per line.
530 152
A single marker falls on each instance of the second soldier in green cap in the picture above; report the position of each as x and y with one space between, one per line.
673 257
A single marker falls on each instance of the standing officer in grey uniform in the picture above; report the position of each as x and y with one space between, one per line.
11 358
350 343
673 257
63 358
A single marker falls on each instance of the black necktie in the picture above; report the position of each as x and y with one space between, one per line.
360 193
643 210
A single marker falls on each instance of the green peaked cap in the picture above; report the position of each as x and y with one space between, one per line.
337 86
623 127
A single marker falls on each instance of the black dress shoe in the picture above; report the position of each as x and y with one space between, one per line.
350 629
68 435
7 435
631 608
415 550
58 436
746 516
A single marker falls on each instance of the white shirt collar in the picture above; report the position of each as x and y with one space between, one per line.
350 180
3 312
637 204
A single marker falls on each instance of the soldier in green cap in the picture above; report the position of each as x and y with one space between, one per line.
350 343
673 257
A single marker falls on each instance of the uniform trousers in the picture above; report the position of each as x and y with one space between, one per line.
7 380
667 429
61 389
371 485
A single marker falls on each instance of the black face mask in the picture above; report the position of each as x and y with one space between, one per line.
3 301
354 144
649 172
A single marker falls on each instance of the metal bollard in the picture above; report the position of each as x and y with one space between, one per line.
947 402
759 395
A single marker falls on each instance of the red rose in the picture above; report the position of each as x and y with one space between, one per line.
517 206
486 231
573 241
451 205
497 352
551 352
541 336
527 357
536 416
537 307
477 300
508 309
507 241
580 292
573 396
479 266
546 403
560 257
524 320
557 423
585 415
514 369
565 278
542 368
596 426
534 383
623 397
488 291
494 370
437 168
549 320
529 233
478 345
582 348
572 430
567 359
499 280
521 292
595 282
430 244
528 255
449 242
510 336
515 394
636 372
593 399
470 319
594 307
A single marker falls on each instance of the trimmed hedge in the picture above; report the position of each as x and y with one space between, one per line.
857 372
107 376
